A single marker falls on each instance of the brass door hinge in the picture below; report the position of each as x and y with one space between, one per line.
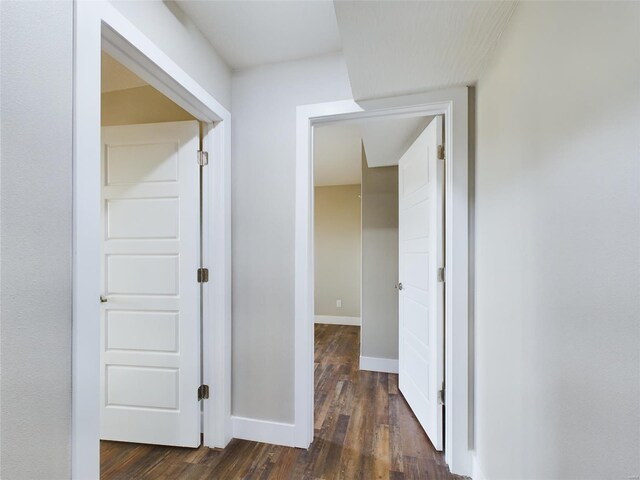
203 392
440 152
203 275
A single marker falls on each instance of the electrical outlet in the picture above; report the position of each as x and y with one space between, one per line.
339 303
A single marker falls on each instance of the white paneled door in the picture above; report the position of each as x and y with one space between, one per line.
421 298
150 314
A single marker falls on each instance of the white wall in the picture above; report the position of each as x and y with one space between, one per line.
174 33
35 206
263 201
379 261
558 242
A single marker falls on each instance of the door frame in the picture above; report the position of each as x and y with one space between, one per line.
97 26
453 104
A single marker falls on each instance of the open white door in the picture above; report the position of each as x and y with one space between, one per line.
421 298
150 325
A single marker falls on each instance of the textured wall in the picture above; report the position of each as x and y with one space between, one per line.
263 205
337 250
379 261
558 246
35 207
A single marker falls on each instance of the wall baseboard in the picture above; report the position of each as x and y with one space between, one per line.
331 320
264 431
373 364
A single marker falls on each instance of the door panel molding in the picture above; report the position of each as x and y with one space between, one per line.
421 301
148 393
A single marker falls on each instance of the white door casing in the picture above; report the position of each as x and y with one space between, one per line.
421 299
453 104
150 323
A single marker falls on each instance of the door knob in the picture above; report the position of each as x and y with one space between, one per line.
399 286
103 299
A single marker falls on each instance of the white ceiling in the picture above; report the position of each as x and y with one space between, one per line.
249 33
117 77
337 147
337 155
386 140
401 47
390 47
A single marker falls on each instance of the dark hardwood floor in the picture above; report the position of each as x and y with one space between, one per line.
364 429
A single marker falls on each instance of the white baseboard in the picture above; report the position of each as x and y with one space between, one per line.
373 364
331 320
264 431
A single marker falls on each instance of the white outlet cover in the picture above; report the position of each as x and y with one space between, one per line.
339 303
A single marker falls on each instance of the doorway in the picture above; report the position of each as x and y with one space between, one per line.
150 313
378 225
105 28
378 232
453 105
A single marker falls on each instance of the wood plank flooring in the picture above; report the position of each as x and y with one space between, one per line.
364 429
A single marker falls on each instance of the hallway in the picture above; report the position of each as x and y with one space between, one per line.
363 430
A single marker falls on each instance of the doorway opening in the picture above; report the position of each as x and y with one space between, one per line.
134 207
378 343
448 111
151 248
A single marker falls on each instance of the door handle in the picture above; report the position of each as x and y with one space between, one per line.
103 299
399 286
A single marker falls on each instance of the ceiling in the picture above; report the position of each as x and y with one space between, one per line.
337 155
117 77
386 140
250 33
337 147
390 47
401 47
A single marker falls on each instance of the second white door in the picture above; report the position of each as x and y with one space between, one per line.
421 298
150 316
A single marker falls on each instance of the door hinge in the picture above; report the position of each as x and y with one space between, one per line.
440 152
203 275
441 395
203 158
441 274
203 392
